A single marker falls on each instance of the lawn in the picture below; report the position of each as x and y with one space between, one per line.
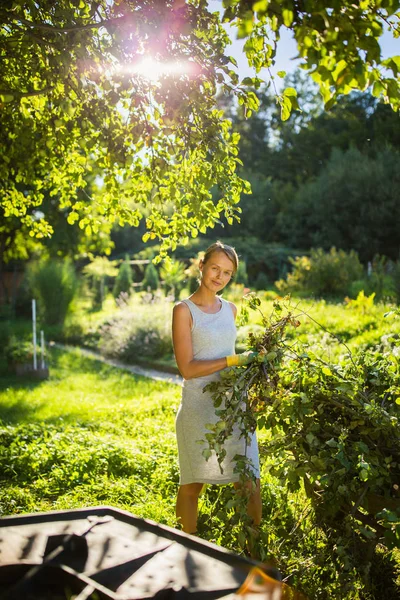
91 434
97 435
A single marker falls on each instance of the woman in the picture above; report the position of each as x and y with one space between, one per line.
204 333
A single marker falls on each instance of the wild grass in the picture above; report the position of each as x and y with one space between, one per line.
91 434
96 435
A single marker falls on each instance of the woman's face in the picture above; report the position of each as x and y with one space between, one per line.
217 271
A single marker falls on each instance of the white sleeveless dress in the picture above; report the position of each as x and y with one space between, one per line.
213 336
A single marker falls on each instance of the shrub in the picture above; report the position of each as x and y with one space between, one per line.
123 281
380 281
151 279
396 280
241 273
137 332
18 351
54 283
5 333
262 282
323 273
97 271
173 274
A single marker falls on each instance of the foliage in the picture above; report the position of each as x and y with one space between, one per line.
94 435
333 430
123 281
193 272
262 282
18 351
136 332
98 270
82 438
173 274
75 100
316 178
54 284
151 279
323 273
380 279
241 273
340 208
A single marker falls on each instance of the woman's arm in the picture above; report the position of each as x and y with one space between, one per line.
183 349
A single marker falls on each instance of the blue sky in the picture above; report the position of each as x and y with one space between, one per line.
287 49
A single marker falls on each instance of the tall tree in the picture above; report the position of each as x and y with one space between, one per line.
126 89
352 204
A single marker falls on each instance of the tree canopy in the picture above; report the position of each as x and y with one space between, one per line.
123 92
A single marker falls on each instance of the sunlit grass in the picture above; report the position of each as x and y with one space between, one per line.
91 434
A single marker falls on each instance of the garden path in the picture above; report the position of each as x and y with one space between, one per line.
136 369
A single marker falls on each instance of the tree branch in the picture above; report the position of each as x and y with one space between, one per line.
54 28
19 95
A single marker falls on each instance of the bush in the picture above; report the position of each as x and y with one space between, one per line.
323 273
137 332
18 351
5 334
396 280
262 282
173 274
123 281
54 284
241 273
151 279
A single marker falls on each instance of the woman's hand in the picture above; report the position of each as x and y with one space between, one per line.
239 360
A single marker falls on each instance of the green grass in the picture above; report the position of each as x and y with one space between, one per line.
332 329
91 434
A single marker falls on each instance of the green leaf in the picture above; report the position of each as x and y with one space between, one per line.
289 92
287 16
286 108
6 98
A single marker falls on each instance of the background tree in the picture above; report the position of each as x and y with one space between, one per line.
98 270
74 100
352 204
54 285
151 280
173 274
124 280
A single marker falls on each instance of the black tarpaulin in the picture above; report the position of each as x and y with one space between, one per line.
105 553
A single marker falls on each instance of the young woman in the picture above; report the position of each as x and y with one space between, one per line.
204 333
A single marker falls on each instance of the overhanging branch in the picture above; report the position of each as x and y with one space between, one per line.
19 95
55 29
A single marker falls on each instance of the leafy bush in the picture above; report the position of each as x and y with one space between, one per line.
262 282
18 351
5 334
123 281
323 273
332 431
55 285
97 272
396 280
173 274
137 332
151 279
241 273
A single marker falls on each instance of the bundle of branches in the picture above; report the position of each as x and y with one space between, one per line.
332 430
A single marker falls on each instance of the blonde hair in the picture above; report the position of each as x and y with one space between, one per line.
227 250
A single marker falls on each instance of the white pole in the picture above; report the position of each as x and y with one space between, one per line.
42 348
34 333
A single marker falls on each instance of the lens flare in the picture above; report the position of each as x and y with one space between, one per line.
155 70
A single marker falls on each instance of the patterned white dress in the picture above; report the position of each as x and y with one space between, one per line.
213 336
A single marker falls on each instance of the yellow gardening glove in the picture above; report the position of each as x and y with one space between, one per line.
239 360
